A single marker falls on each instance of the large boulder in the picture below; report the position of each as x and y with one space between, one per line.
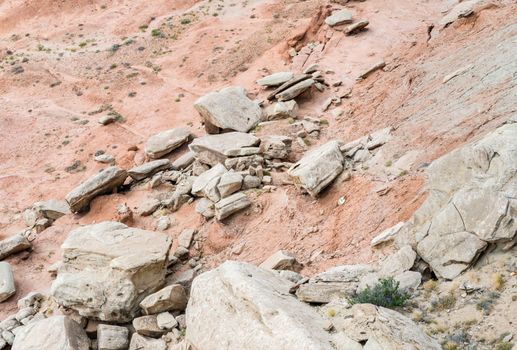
165 142
367 323
229 108
53 333
241 306
318 168
213 149
105 181
108 268
471 203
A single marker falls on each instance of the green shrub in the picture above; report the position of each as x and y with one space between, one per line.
385 293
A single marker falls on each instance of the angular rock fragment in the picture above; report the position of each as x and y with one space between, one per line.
339 17
230 183
205 207
463 9
318 168
398 262
105 181
148 169
56 332
257 310
282 110
275 79
275 147
212 149
13 245
165 142
148 326
375 67
230 205
206 183
251 181
7 288
229 108
185 237
139 342
170 298
243 163
166 320
111 337
281 260
108 268
295 90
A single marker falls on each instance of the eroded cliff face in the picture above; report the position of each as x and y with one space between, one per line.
442 84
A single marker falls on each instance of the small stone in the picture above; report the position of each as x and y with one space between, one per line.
281 260
13 245
8 336
107 119
356 27
184 161
185 237
112 337
148 169
295 90
104 158
170 298
251 181
311 69
282 110
148 326
163 223
181 252
205 207
230 205
166 320
149 206
7 288
375 67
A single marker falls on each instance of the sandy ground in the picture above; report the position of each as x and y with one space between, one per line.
150 63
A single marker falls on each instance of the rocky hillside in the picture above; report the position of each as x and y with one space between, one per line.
258 175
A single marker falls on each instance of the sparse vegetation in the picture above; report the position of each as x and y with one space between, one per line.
497 281
185 21
386 293
156 33
430 285
446 302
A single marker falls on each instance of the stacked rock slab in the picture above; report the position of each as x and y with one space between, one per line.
228 108
105 181
318 168
213 149
246 307
108 268
53 333
471 203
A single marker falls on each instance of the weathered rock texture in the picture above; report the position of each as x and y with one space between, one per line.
108 268
318 168
245 307
166 141
213 149
53 333
471 202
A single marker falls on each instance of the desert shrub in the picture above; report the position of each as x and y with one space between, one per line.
385 293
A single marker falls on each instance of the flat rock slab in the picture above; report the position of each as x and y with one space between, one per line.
212 149
148 326
52 209
53 333
7 288
139 342
205 185
230 205
140 172
339 17
13 245
229 108
295 90
165 142
246 307
108 268
281 260
318 168
282 110
184 161
275 79
105 181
